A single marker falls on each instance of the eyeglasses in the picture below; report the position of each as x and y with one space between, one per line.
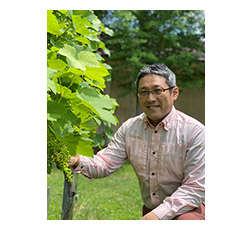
159 91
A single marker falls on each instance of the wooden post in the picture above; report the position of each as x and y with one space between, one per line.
48 199
68 199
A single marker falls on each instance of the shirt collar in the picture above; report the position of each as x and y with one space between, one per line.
166 121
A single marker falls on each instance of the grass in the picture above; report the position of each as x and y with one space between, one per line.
116 197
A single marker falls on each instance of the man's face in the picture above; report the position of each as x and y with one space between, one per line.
156 107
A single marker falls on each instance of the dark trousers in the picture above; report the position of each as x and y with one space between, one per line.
195 214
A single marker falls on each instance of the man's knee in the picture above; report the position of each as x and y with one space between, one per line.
195 214
190 216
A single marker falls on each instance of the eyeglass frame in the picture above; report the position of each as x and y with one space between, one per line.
151 91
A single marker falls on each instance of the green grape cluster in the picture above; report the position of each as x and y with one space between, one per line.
61 158
57 152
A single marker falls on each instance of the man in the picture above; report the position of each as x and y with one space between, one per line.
165 148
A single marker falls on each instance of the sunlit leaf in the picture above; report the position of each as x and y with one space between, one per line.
50 83
98 103
82 60
81 24
53 26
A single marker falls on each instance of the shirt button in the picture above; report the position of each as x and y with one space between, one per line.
153 153
153 174
155 131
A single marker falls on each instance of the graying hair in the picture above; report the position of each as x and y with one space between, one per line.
158 69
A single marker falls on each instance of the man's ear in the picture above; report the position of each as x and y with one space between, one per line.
175 93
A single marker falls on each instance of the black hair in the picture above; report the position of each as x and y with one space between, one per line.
158 69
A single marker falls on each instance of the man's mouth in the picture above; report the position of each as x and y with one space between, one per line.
152 106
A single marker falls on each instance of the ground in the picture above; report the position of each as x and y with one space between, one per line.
116 197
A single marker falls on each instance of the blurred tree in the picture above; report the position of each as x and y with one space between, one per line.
172 37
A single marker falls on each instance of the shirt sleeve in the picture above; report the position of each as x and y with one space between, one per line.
106 161
191 193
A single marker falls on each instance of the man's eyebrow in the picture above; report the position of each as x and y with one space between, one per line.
153 86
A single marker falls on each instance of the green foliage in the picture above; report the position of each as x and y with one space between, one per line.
76 75
141 37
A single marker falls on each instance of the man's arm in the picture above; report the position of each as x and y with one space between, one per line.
105 162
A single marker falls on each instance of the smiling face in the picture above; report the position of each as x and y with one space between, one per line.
156 107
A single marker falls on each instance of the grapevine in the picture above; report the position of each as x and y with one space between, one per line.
76 75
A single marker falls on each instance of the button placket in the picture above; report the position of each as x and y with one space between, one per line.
155 141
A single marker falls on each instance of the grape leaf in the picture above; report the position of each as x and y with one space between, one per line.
78 144
56 111
89 124
83 40
88 58
53 26
97 75
98 103
80 61
50 83
81 24
55 63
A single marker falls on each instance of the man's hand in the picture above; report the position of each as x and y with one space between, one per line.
150 216
74 161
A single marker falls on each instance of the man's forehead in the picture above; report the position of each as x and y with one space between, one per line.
152 81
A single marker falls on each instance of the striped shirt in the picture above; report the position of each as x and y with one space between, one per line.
169 161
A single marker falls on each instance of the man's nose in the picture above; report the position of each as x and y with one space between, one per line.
150 97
